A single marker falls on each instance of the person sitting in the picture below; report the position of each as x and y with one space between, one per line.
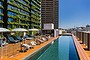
4 41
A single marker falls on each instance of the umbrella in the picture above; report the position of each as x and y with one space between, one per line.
4 30
33 30
19 29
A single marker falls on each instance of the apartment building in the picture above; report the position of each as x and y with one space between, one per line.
20 14
49 12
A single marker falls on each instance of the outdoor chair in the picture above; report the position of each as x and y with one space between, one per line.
33 43
41 41
19 38
27 46
28 38
44 39
11 39
31 36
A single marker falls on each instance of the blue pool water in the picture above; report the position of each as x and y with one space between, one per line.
62 49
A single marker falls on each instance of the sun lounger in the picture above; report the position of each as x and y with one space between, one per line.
33 43
44 39
19 38
27 46
48 36
28 38
11 39
40 40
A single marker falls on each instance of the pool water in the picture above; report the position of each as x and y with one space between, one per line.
67 49
62 49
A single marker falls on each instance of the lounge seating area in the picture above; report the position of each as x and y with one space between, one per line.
27 46
28 37
3 42
19 41
11 40
14 44
33 43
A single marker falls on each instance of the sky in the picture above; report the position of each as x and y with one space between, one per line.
74 13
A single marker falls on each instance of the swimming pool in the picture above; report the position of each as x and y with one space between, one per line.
62 49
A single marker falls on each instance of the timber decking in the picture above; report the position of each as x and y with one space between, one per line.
12 52
81 52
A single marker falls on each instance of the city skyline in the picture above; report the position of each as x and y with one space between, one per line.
74 13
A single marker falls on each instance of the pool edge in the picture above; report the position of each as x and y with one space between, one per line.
39 48
82 54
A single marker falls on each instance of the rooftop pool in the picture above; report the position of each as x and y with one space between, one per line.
62 48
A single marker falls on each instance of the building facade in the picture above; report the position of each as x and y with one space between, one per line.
20 14
49 12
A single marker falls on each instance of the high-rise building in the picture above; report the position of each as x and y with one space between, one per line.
20 14
1 13
49 12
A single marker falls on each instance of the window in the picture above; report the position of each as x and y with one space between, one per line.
11 13
0 3
9 26
0 10
1 17
0 25
10 20
9 0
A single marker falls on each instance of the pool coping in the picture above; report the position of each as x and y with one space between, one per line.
81 52
22 55
34 52
37 50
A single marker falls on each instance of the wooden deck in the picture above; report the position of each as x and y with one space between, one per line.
11 51
84 55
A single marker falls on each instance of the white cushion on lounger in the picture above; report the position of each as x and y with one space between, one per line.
29 38
27 46
33 43
44 39
48 36
40 40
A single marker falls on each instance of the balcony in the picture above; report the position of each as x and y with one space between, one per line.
15 5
